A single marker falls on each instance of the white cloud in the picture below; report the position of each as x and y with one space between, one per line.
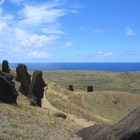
17 1
40 14
1 50
2 25
104 54
36 54
81 28
32 27
2 1
97 55
68 44
98 30
53 29
34 40
129 31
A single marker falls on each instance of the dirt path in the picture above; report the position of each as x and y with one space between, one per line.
52 89
54 111
51 109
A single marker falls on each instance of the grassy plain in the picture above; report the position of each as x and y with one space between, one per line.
101 81
114 96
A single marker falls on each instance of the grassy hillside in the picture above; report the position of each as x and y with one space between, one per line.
96 106
102 81
32 123
110 102
109 87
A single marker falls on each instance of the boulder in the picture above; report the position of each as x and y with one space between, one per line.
89 88
8 93
37 86
127 129
71 88
24 78
60 114
5 66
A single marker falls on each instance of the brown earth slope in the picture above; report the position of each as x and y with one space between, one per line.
98 106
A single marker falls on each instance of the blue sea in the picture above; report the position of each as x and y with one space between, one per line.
114 67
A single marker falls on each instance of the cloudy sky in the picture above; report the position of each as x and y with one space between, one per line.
70 30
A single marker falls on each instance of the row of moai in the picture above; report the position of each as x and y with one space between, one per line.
31 88
28 87
89 88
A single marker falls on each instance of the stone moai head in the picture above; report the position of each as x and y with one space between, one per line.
37 86
70 87
5 66
24 78
89 88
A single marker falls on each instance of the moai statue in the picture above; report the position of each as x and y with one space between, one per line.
89 88
37 86
5 66
24 78
71 88
8 93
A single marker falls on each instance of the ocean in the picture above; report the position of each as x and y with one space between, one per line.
114 67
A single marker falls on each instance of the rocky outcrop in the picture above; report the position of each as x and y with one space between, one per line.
5 66
8 93
37 86
24 78
126 129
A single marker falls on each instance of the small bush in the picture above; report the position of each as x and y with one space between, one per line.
32 101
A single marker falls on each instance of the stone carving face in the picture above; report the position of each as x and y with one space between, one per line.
24 78
37 86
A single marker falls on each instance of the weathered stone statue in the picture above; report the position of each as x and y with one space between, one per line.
5 66
18 74
8 93
24 78
37 86
127 129
89 88
71 88
8 76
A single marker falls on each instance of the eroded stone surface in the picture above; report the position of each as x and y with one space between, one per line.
8 93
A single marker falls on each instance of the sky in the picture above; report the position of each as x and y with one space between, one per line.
70 30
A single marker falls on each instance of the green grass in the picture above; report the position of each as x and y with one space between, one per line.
101 81
100 102
32 123
114 104
97 103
